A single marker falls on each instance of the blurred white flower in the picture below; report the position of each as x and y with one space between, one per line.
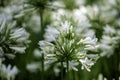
108 15
93 11
8 72
18 49
20 35
46 46
33 67
37 53
80 14
89 41
80 2
51 33
109 30
86 64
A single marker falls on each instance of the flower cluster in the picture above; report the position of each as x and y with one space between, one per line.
12 40
70 47
7 72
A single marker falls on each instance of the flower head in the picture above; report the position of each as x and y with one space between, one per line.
69 47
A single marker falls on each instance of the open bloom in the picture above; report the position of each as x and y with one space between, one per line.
69 48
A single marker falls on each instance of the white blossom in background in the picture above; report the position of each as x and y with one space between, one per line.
80 14
15 38
81 22
8 72
51 33
92 11
80 2
12 40
19 35
33 67
109 41
68 43
9 12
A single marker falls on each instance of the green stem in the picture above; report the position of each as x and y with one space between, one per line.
41 12
42 67
41 24
61 70
67 69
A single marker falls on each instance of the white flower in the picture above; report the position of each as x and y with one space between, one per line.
106 39
70 47
65 27
8 72
89 47
86 64
108 15
18 49
109 30
37 53
107 50
33 67
46 47
51 33
19 35
89 33
89 41
93 11
79 14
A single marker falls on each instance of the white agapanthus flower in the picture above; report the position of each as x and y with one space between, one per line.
33 67
51 33
109 30
19 35
86 64
109 41
18 49
70 47
79 18
89 41
92 11
80 14
8 72
13 39
37 53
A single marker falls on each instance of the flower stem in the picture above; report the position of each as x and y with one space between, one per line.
42 64
61 70
41 12
67 69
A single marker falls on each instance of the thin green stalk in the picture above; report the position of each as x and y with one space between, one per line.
42 64
61 70
67 69
41 12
